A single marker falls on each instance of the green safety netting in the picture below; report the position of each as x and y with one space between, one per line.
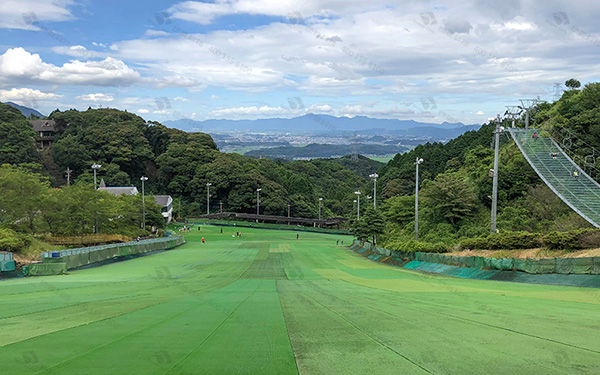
45 269
470 261
519 265
564 265
74 258
546 265
506 264
124 250
531 266
534 266
479 262
596 266
582 265
7 265
94 256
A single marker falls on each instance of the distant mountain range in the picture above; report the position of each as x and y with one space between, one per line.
26 111
314 151
314 124
325 124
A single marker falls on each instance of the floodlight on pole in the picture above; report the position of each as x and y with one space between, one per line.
258 202
320 203
357 204
417 162
208 198
95 167
143 178
374 177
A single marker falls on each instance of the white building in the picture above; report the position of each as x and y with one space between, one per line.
166 206
164 201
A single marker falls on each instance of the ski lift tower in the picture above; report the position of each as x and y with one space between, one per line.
513 112
526 105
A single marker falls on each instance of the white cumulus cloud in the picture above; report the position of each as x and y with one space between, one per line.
16 94
99 97
18 65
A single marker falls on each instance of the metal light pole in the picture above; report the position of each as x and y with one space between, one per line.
374 177
417 162
143 178
258 202
357 204
353 203
208 198
95 167
320 202
499 129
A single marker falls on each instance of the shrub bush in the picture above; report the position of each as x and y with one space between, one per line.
590 239
572 240
561 240
12 241
503 240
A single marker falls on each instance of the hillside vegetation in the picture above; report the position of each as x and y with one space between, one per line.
180 164
456 185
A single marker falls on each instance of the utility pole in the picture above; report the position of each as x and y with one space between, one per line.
68 171
499 129
208 198
143 178
374 177
289 209
221 206
417 162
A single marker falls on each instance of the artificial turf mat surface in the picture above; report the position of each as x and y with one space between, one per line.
266 303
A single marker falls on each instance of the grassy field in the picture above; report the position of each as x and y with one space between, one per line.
267 303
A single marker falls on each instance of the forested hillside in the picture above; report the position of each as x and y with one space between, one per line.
455 179
456 183
180 164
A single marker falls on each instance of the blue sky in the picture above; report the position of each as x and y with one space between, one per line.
431 61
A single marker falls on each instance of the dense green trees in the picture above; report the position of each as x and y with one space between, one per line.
457 184
449 198
28 204
180 164
17 138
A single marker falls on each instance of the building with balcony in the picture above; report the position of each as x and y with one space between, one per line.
45 130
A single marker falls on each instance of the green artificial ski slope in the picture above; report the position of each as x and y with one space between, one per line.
266 303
